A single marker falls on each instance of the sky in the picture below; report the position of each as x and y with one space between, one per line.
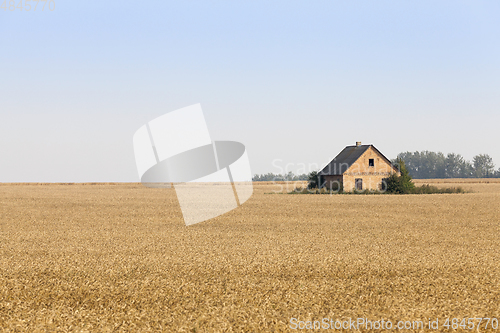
294 81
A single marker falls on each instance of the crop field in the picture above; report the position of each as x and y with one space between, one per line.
118 257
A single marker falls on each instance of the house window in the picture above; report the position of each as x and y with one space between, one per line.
371 162
359 184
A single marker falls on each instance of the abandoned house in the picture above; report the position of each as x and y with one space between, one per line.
360 167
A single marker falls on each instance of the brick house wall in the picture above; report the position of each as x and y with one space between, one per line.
371 176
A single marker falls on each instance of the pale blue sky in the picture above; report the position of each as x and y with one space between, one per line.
295 81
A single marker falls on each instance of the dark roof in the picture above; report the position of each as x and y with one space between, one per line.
344 160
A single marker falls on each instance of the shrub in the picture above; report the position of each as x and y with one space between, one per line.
400 184
428 189
313 180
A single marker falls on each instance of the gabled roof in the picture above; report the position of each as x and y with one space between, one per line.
347 157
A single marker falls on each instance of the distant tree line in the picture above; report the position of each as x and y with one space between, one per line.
269 177
428 164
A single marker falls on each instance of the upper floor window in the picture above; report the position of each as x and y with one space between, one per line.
371 162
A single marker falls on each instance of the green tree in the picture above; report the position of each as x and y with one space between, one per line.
412 161
400 184
425 164
483 166
428 164
466 170
313 180
454 165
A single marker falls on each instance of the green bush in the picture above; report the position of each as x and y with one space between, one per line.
400 184
428 189
313 180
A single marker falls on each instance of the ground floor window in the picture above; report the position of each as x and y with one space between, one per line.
359 184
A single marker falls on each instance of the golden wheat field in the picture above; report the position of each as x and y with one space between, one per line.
118 258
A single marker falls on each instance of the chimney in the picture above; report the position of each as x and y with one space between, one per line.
358 143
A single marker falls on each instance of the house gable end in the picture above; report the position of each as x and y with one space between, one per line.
371 162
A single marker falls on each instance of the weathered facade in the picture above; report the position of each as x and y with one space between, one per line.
360 167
